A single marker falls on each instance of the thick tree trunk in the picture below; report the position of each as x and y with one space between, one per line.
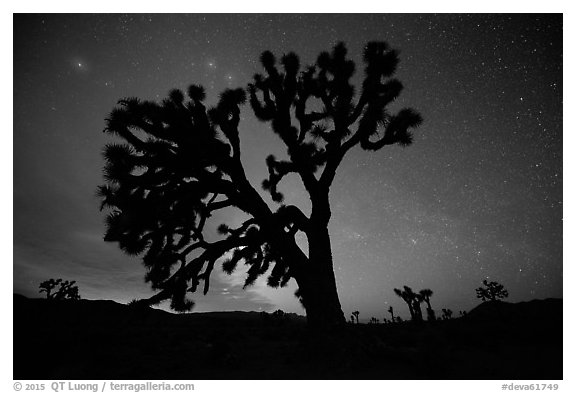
318 284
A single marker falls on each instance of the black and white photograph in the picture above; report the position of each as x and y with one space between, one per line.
288 196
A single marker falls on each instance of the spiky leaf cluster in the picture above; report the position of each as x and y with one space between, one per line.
492 291
180 162
163 182
329 117
59 289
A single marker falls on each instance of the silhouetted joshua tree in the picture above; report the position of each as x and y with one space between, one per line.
493 291
374 321
426 294
413 300
355 315
60 290
416 304
180 163
406 295
446 313
391 311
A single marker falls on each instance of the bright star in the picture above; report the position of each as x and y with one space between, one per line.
79 65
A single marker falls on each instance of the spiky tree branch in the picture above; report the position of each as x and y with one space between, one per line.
326 134
162 190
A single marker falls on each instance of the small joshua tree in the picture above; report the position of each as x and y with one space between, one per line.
426 294
355 315
137 304
446 313
60 290
493 291
374 320
413 300
416 305
391 311
48 286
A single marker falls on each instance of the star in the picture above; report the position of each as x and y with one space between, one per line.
79 65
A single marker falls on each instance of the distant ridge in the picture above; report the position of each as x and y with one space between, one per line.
106 312
533 310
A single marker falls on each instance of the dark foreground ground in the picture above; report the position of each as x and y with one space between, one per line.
107 340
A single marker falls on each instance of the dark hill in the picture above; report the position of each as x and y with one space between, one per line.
534 310
102 339
108 313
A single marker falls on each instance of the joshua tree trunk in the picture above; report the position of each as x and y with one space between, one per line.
411 309
318 284
430 311
417 312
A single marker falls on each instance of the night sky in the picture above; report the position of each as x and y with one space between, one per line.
478 195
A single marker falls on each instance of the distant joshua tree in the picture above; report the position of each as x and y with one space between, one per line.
413 300
416 304
426 294
406 295
391 311
355 315
446 313
493 291
138 304
60 290
374 321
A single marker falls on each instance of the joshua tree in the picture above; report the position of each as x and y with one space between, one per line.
374 321
446 313
493 291
66 290
425 295
48 286
391 311
416 305
355 315
413 300
162 189
406 295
